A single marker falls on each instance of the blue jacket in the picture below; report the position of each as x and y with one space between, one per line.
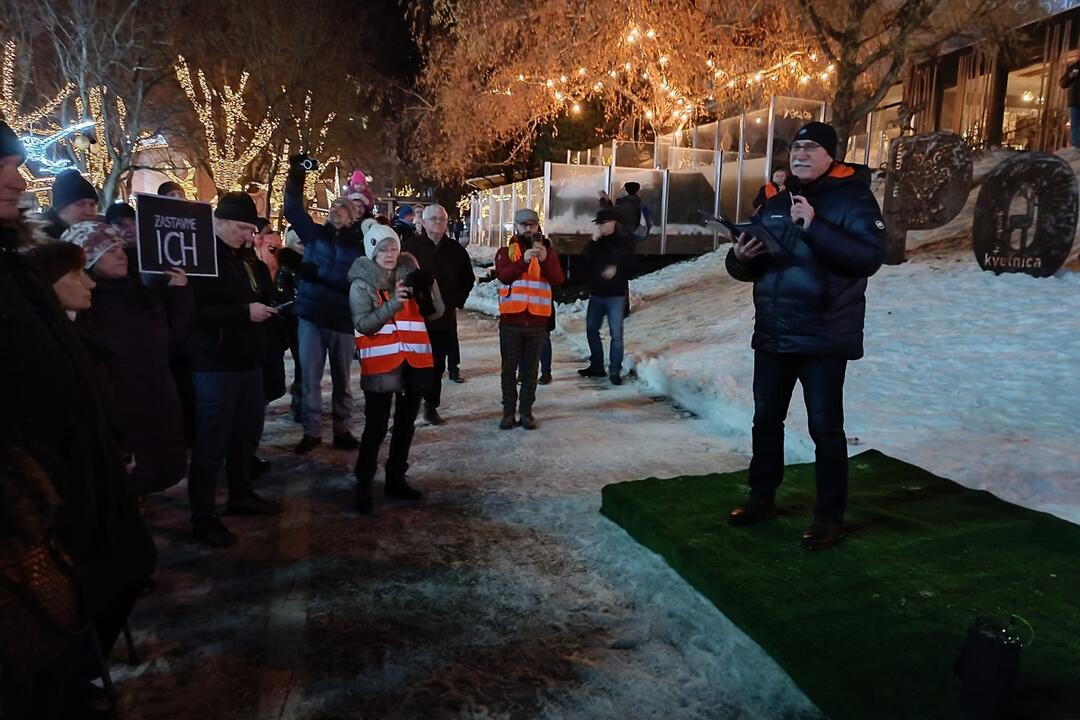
323 294
811 298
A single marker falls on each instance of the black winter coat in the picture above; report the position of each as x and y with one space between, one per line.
140 330
615 249
224 337
57 413
810 299
451 265
627 213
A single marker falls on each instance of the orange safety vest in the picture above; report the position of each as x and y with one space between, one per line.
530 293
403 339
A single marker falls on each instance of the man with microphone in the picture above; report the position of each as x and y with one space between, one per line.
809 301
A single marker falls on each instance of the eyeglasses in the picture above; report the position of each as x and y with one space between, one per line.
806 147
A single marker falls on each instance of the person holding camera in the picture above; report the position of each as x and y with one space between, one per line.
810 302
528 269
392 301
322 304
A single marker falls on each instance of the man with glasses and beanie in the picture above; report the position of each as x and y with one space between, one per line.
528 269
809 301
227 349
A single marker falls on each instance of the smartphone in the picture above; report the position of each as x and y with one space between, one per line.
284 305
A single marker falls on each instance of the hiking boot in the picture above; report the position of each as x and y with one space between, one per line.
455 376
307 444
592 372
615 380
364 503
544 379
400 488
252 505
527 420
346 441
211 531
508 420
752 511
432 416
259 466
821 536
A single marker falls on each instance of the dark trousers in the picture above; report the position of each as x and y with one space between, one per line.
545 358
520 345
229 414
822 380
442 341
296 388
453 357
376 421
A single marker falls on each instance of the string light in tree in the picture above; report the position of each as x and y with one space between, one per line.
9 96
228 153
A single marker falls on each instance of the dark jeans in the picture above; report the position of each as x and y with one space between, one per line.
545 358
376 421
822 380
520 345
614 309
229 414
442 341
296 389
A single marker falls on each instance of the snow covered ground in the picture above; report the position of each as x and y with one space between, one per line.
970 375
505 595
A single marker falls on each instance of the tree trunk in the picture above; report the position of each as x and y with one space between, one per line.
843 108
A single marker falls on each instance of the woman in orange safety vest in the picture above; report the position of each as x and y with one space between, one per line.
391 300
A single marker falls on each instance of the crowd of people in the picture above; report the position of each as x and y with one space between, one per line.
128 382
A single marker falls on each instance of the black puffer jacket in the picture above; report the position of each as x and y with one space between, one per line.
811 298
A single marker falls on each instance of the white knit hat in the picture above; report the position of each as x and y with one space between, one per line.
376 235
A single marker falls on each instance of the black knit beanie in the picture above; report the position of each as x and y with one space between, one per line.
70 186
119 210
9 142
237 206
824 135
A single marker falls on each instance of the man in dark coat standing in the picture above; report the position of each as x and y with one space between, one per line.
449 262
810 303
227 347
607 261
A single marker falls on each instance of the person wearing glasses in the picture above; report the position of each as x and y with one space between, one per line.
227 349
809 301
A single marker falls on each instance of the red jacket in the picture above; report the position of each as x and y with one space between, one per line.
507 272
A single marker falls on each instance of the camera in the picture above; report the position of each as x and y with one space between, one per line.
307 163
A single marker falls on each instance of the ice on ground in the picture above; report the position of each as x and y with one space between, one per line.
970 375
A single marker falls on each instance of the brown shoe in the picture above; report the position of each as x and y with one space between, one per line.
752 511
821 536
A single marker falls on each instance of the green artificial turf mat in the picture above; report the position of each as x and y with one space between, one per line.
871 628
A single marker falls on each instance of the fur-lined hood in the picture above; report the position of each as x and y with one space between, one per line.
24 233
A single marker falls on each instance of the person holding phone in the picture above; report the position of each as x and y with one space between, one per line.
809 306
528 269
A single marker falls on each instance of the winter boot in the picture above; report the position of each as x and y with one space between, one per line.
592 371
527 420
508 420
397 485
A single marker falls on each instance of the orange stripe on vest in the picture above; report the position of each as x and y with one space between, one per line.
402 340
530 293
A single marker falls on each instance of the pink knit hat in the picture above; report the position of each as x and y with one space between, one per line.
358 189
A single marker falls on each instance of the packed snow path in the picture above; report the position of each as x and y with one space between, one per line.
504 595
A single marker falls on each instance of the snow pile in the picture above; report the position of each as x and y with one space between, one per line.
970 375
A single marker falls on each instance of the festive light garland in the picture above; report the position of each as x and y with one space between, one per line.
9 103
669 104
37 147
227 162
